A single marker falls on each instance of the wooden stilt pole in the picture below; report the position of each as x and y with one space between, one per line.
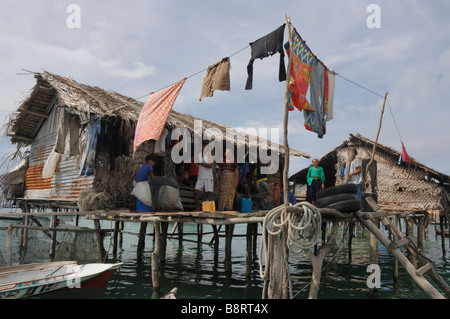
248 250
116 235
155 257
9 246
410 234
228 239
199 233
395 261
373 259
420 231
53 222
351 227
317 261
163 243
216 244
121 227
180 233
441 224
255 239
141 242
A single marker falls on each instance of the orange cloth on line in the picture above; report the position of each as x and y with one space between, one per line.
154 114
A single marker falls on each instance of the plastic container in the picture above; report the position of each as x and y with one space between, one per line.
209 206
245 205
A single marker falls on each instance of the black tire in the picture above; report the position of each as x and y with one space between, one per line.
346 206
325 201
344 188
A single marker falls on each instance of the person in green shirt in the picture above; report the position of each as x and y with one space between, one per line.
315 179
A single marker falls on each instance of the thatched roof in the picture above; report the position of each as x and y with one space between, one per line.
359 140
415 187
26 121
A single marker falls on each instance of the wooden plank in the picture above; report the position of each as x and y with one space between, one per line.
421 271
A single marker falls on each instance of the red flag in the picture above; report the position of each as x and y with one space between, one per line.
405 156
154 114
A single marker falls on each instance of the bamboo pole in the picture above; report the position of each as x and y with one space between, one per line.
278 285
376 140
286 118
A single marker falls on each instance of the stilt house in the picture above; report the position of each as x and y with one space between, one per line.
413 187
36 124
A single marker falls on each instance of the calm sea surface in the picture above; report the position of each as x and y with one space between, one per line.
191 268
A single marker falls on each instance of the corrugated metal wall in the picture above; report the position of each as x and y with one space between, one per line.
66 184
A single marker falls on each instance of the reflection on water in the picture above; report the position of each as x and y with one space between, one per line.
191 268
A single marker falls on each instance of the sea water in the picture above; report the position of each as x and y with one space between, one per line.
191 268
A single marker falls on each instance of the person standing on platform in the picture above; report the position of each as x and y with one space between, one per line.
355 175
315 179
205 180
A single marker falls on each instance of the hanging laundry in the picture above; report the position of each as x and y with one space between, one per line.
70 124
111 139
404 159
89 154
331 86
264 47
300 73
217 78
315 120
154 114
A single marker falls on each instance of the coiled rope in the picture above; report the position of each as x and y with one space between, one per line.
303 227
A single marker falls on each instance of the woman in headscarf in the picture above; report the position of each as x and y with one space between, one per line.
315 179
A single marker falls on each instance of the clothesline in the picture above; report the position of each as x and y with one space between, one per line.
192 75
338 74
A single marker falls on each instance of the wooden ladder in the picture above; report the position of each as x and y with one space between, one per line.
400 240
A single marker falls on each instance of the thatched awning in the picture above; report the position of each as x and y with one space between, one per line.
50 89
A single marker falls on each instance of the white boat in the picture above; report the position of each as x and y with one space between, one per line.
33 279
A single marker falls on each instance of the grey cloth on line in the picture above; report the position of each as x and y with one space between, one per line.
70 124
317 92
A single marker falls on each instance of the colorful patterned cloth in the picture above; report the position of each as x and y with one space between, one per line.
227 190
154 114
300 73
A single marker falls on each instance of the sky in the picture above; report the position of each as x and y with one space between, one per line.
141 46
